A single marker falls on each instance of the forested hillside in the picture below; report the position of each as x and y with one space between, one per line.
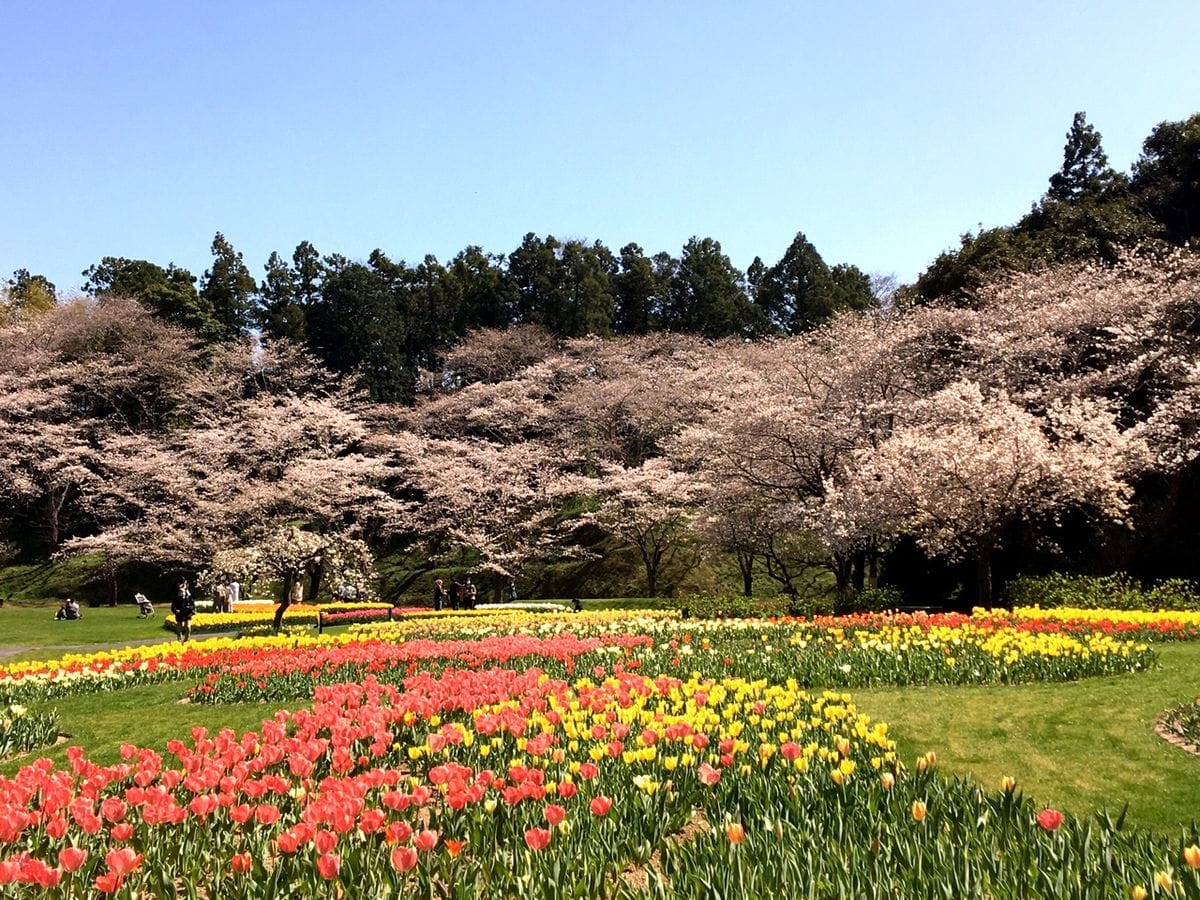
574 417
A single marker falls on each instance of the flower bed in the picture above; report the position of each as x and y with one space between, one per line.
500 783
21 730
1183 724
835 652
257 614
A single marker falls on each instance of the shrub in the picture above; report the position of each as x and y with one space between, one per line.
1118 591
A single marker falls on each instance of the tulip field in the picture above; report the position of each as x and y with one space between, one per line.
518 754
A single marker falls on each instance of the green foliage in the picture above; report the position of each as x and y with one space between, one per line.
704 295
1166 178
801 291
699 606
1117 591
874 599
228 289
169 293
22 730
1085 170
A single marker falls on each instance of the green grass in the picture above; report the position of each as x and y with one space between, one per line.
100 723
1079 746
35 627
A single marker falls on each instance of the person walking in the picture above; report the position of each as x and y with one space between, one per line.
183 607
294 596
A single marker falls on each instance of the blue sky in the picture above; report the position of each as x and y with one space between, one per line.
882 130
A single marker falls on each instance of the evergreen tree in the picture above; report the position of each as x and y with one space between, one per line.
638 293
169 293
1085 170
1166 178
228 288
278 313
704 295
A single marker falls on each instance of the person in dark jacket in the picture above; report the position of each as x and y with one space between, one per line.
183 607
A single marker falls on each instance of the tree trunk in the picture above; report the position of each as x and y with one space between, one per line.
859 571
842 570
315 583
285 601
652 559
872 570
745 563
983 562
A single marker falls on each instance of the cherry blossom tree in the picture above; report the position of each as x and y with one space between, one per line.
966 467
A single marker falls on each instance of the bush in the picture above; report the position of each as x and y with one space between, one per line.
1118 591
874 599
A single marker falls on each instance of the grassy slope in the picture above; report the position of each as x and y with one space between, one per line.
1080 746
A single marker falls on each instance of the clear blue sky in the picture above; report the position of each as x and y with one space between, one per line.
882 130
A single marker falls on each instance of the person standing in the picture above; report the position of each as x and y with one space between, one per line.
471 593
512 590
235 594
456 594
294 596
439 595
221 598
183 608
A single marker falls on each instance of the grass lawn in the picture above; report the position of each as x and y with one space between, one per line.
34 627
1079 746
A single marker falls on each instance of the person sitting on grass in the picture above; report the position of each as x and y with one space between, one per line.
183 607
68 612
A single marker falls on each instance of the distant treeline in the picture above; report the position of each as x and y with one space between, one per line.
385 320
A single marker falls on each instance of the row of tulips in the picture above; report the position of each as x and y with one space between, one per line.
848 652
1163 625
22 730
257 614
499 783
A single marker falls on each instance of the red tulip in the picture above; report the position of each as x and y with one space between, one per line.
329 865
266 814
601 805
537 838
1050 819
404 858
121 832
109 882
555 814
325 840
123 861
71 858
241 862
425 840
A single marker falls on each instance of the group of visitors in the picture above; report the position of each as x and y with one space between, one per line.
69 611
463 595
226 596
